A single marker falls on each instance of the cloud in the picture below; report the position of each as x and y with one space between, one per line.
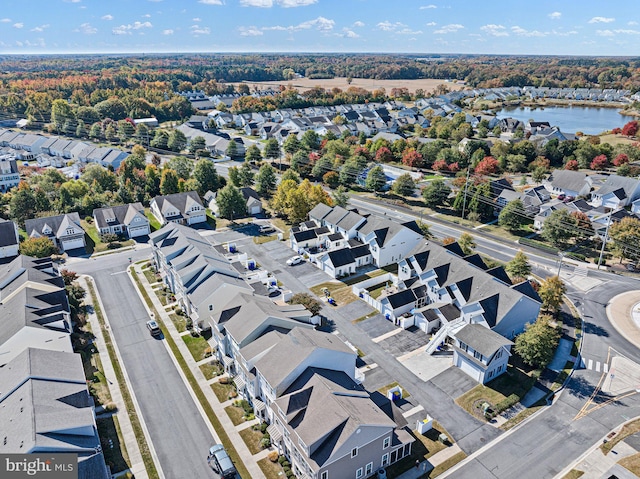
107 17
40 28
87 29
5 20
428 7
495 30
387 26
408 31
146 15
527 33
431 24
281 3
250 31
555 15
602 20
18 25
321 24
126 29
168 31
605 33
451 28
198 30
350 34
196 19
211 2
632 23
358 24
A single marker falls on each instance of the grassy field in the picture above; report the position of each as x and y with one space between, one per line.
264 239
271 470
614 140
573 474
153 222
179 322
197 345
627 430
235 413
283 226
252 439
211 370
632 463
222 391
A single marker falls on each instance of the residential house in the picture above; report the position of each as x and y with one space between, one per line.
64 231
338 263
635 207
9 239
254 203
45 407
182 208
616 192
389 242
194 270
568 183
9 175
128 220
534 198
481 353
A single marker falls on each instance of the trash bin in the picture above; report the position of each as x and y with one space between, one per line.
382 474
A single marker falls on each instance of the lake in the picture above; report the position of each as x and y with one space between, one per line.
591 120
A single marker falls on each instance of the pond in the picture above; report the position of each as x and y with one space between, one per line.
591 120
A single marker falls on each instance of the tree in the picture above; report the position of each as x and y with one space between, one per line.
60 112
340 196
22 205
404 185
206 177
271 149
182 165
487 166
232 150
291 144
305 299
621 159
231 203
290 175
376 179
81 129
539 174
160 140
559 227
412 158
512 215
245 175
599 163
266 181
630 129
537 344
481 201
384 155
126 129
253 154
626 238
110 133
197 143
169 182
519 266
436 193
425 229
349 172
234 176
551 291
331 179
467 243
177 141
95 132
38 247
310 140
106 180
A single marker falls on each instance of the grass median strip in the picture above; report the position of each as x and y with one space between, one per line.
149 465
215 422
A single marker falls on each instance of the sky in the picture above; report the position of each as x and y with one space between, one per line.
588 27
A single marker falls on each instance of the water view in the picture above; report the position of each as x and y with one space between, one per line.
587 119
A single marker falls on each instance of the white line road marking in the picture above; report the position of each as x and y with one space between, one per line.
598 366
590 364
384 336
605 368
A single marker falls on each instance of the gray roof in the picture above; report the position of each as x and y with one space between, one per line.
320 211
349 221
23 271
568 180
8 233
385 230
337 213
123 215
181 201
615 182
58 224
482 339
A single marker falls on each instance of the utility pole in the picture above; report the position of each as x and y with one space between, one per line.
464 200
604 241
560 265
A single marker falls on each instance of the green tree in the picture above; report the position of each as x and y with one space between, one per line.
125 130
182 165
110 133
436 193
481 201
331 179
290 175
271 149
404 185
305 299
160 140
105 179
291 144
206 177
197 143
95 132
38 247
152 180
539 174
169 182
232 150
376 179
266 181
231 203
537 344
323 166
253 154
310 140
81 129
626 238
177 141
60 112
512 215
234 176
246 175
559 227
467 243
349 172
519 266
425 228
551 291
340 196
22 205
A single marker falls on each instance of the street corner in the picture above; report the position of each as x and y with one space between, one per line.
623 377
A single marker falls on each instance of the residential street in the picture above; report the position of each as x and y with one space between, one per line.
179 434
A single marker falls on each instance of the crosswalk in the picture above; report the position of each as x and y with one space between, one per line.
579 271
597 366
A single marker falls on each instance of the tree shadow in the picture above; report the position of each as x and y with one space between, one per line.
327 325
590 328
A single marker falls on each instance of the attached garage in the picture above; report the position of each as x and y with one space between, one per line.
139 231
73 243
468 367
192 220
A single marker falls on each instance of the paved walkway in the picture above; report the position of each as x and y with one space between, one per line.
619 312
428 465
249 460
136 465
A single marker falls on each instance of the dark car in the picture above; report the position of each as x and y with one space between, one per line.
220 462
153 328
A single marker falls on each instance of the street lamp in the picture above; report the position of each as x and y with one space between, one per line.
561 254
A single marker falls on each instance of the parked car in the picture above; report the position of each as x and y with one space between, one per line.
220 462
264 229
294 260
561 197
153 328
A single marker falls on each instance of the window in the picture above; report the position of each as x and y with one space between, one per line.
490 375
369 469
477 355
354 452
324 475
386 443
359 473
385 460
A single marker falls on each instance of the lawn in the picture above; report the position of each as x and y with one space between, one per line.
448 464
339 291
425 446
614 140
236 414
211 370
252 439
376 291
264 239
153 221
573 474
632 463
197 345
150 275
115 452
365 317
271 470
385 389
514 383
280 224
179 322
223 391
627 430
94 244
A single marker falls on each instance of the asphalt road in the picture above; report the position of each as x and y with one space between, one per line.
179 434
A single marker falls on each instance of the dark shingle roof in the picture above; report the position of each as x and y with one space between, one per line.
482 339
341 257
401 298
8 235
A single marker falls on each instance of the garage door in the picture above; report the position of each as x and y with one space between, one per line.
197 219
139 231
255 210
73 244
469 369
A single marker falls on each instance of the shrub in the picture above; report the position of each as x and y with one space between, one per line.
505 404
114 245
273 456
88 219
108 237
223 380
287 470
265 442
286 464
208 352
111 406
282 460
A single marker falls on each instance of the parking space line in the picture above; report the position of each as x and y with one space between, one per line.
411 411
384 336
590 364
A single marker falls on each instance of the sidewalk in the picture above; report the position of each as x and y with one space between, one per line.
133 450
249 460
428 465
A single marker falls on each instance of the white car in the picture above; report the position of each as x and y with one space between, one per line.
294 260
